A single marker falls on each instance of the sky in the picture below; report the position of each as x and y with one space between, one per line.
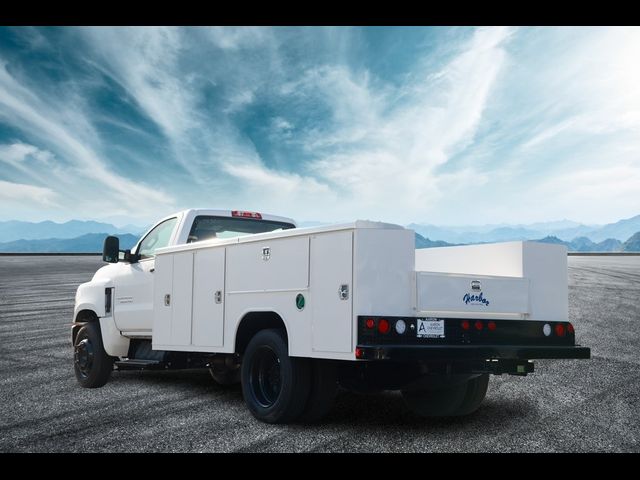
433 125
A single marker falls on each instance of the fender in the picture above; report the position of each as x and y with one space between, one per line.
91 296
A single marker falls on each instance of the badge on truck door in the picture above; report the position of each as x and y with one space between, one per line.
430 328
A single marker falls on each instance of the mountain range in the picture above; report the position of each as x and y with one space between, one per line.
87 243
88 236
17 230
565 230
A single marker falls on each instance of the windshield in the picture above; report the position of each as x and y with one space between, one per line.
207 227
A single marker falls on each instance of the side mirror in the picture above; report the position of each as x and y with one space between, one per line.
110 249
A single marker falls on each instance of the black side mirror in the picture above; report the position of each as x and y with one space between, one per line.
110 249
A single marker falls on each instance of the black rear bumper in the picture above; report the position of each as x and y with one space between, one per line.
471 352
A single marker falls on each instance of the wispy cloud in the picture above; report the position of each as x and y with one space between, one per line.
439 125
15 194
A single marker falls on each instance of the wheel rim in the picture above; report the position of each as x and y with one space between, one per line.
83 357
265 378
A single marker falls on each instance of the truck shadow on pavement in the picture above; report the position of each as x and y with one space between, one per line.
380 409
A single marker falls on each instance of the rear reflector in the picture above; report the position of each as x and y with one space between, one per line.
383 326
478 325
560 331
254 215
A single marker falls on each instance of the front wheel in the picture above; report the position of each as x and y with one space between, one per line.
91 363
275 386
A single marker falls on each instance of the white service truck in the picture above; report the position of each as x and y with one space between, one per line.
293 313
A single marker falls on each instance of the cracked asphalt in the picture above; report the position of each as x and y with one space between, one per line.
565 406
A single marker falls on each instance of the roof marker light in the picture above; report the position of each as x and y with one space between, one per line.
254 215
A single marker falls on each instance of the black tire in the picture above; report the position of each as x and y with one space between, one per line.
448 397
225 376
324 385
476 391
275 386
91 363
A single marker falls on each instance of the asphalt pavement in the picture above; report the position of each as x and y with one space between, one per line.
565 406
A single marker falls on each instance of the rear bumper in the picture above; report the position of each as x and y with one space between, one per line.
471 352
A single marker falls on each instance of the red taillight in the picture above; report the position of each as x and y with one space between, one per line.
254 215
370 323
560 330
384 326
478 325
359 352
570 328
465 325
491 326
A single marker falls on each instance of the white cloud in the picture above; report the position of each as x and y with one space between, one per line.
19 193
18 153
69 133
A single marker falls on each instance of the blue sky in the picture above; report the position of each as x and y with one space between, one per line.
450 126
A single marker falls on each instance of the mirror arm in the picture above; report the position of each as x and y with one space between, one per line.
130 257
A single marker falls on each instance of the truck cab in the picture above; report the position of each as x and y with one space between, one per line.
133 278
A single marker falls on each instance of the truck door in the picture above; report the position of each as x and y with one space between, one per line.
208 298
133 306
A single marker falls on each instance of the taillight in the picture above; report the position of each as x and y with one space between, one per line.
370 323
383 326
491 326
560 330
359 352
465 325
570 328
478 325
254 215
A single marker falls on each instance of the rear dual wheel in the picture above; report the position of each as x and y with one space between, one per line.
278 388
444 398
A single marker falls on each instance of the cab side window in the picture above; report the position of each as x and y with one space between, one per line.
157 238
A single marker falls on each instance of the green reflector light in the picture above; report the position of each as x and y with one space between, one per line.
300 301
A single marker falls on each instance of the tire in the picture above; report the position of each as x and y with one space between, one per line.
275 386
91 363
226 376
324 386
448 398
476 391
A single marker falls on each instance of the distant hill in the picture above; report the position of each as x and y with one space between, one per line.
583 244
91 242
632 244
565 230
422 242
621 230
17 230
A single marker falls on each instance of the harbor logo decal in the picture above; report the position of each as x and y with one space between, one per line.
475 299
